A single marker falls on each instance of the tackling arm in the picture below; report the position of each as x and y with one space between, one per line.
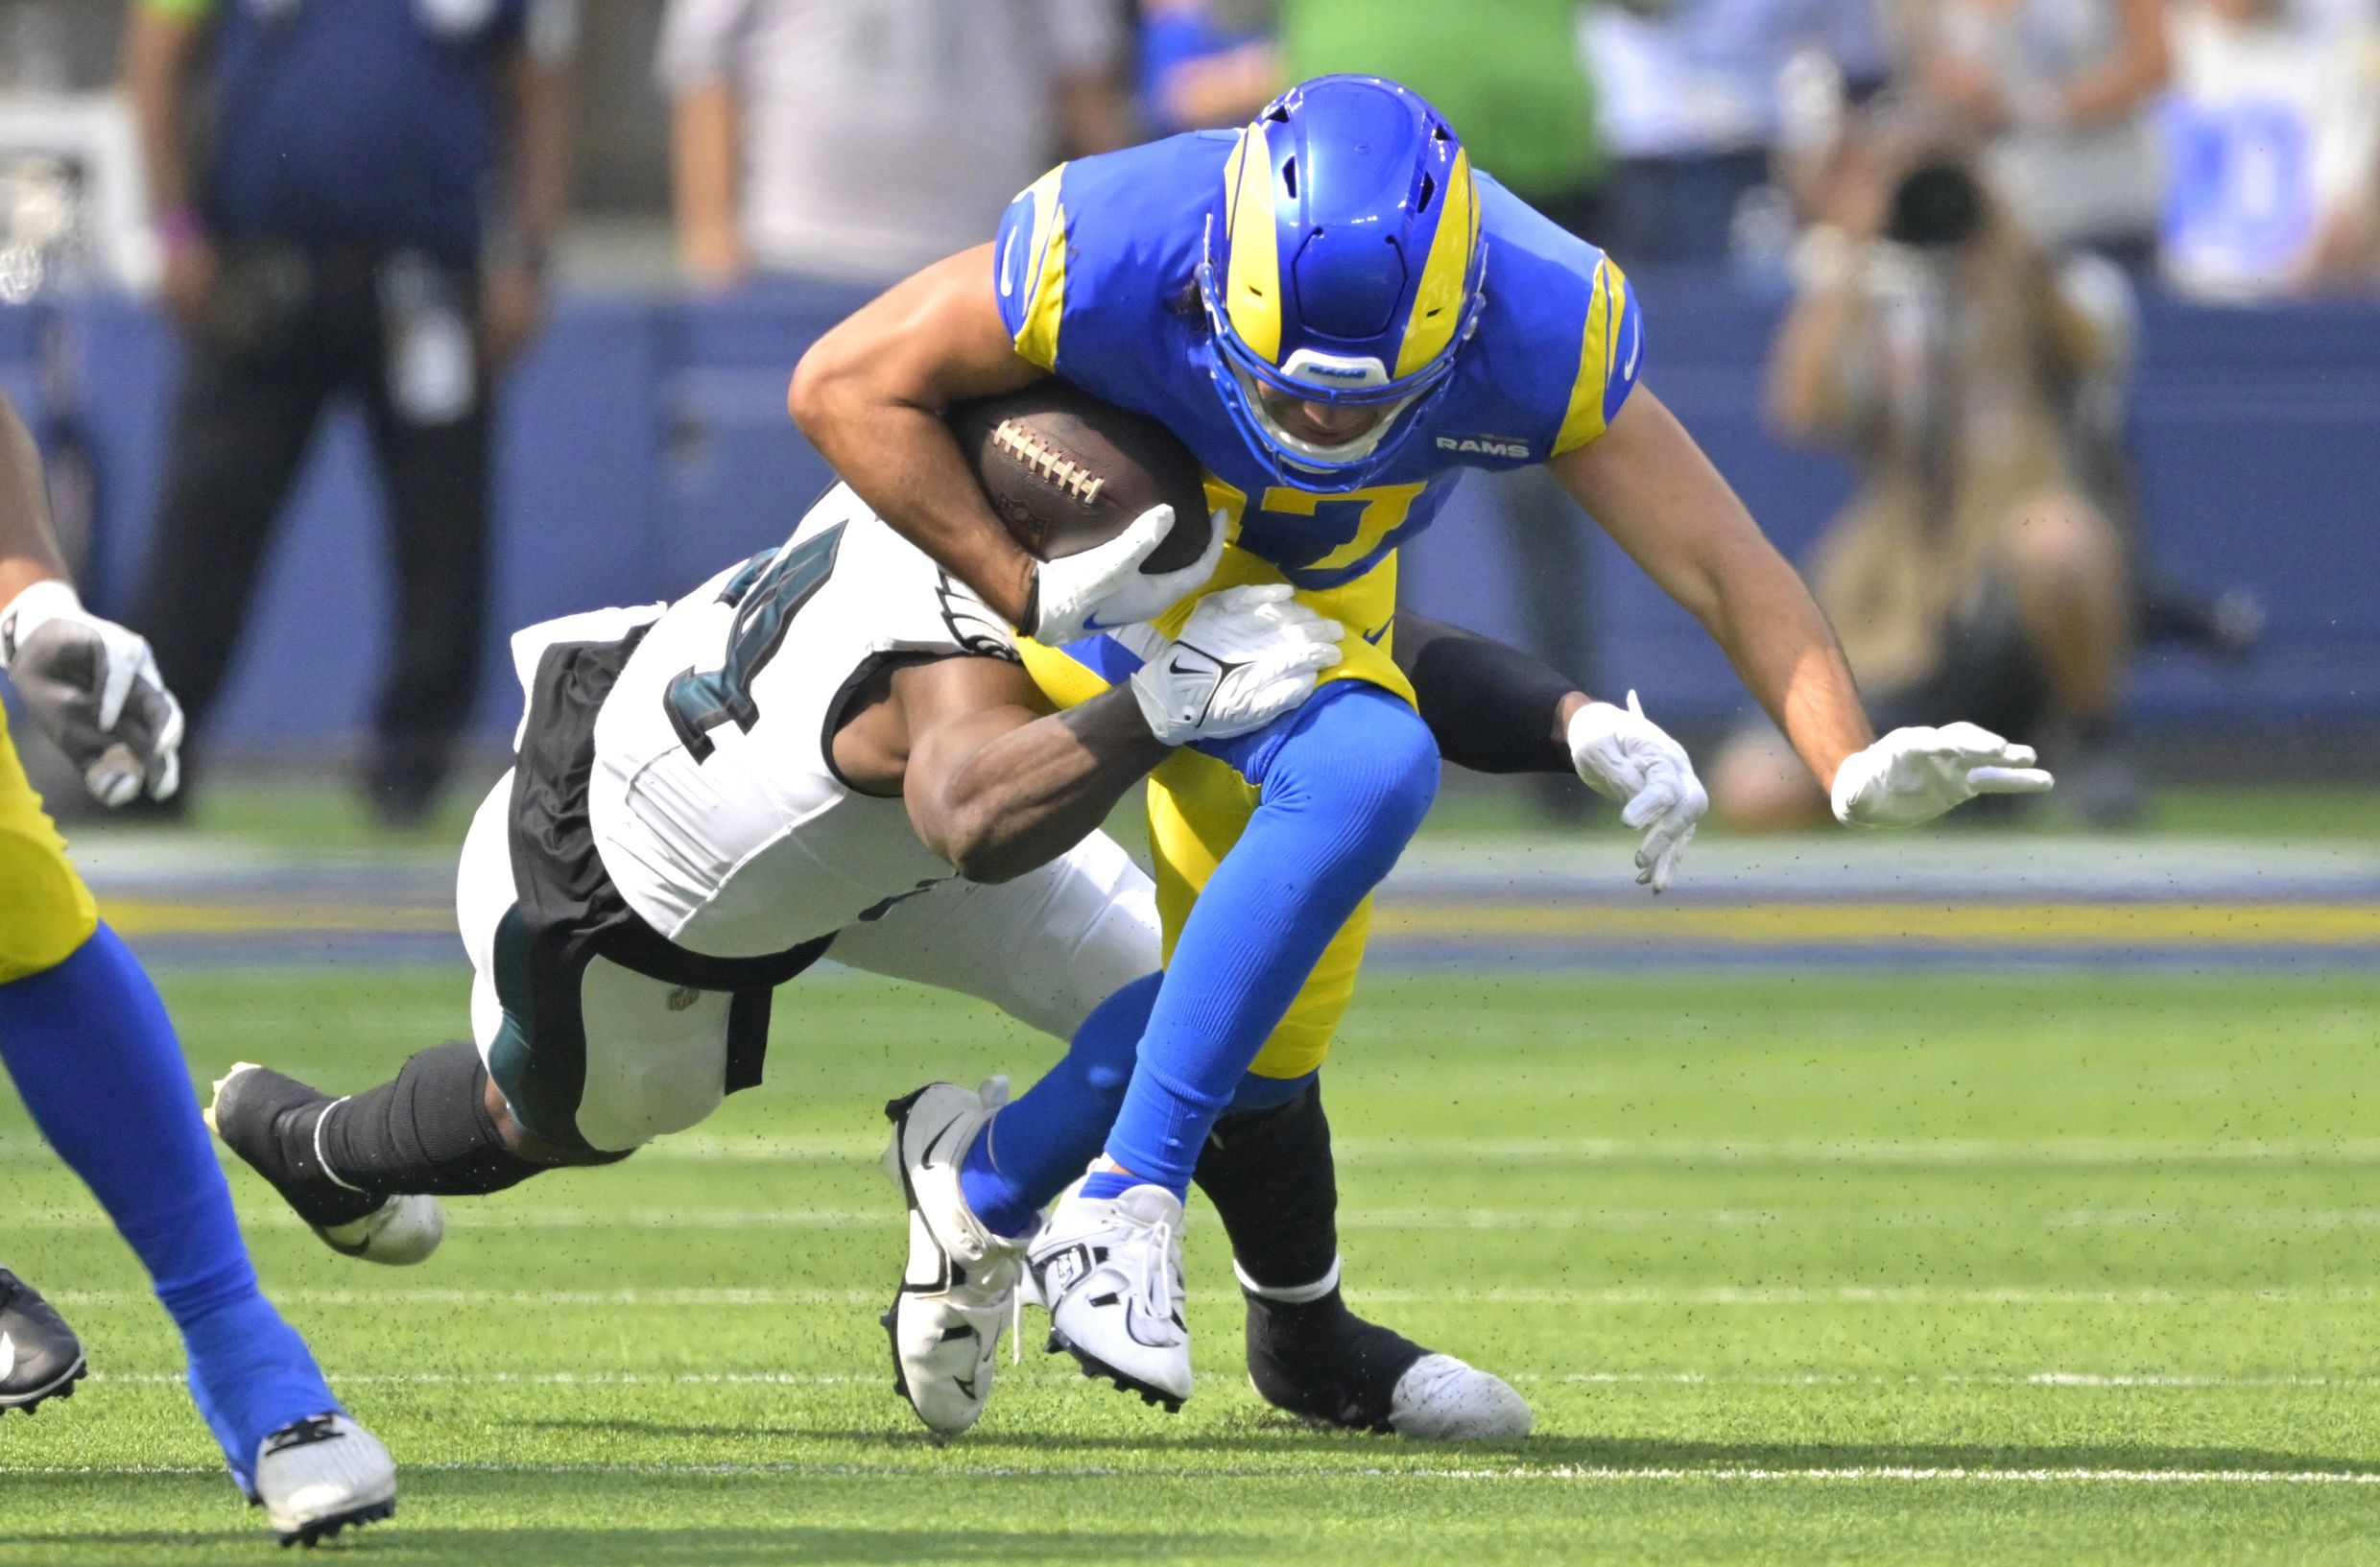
997 783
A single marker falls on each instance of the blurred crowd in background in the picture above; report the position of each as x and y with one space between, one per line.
1965 201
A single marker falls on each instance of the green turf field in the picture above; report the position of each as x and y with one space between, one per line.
1815 1267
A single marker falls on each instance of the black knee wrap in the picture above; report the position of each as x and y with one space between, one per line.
1275 1186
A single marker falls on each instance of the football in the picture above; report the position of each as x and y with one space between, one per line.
1067 472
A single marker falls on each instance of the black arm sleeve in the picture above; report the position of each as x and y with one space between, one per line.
1490 706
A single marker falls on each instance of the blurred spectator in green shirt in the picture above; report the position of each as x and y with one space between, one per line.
1511 78
1509 75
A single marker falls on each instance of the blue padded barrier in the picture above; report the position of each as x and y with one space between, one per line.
645 445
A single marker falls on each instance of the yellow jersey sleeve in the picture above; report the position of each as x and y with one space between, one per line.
1029 251
1612 346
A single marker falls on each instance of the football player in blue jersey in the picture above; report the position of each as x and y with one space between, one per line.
1337 314
93 1054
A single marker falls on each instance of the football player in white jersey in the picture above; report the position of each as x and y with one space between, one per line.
829 746
832 747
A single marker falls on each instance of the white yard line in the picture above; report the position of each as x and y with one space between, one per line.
1567 1472
1846 1295
1065 1376
1951 1153
468 1219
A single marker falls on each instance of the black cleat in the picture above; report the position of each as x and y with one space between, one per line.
270 1121
41 1358
1318 1359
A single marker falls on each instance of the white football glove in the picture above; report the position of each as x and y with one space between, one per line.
1623 756
1247 656
1104 588
93 687
1915 775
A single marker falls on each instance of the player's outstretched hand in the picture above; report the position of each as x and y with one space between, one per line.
1623 756
93 687
1104 588
1247 656
1915 775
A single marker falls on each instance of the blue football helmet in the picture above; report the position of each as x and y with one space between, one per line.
1342 267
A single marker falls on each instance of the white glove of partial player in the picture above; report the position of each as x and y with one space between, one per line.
1247 656
93 687
1104 588
1623 756
1915 775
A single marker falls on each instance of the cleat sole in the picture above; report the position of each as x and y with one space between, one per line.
62 1387
1098 1370
326 1528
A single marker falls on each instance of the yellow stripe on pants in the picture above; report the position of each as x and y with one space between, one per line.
45 910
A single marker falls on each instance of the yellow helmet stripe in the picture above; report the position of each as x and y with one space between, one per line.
1598 347
1438 305
1253 287
1045 303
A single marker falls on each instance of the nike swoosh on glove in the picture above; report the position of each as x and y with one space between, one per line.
93 687
1247 656
1104 588
1623 756
1915 775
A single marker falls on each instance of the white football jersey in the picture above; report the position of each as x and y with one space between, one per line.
714 800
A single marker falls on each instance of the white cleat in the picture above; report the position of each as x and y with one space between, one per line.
1441 1399
320 1475
247 1110
1110 1270
402 1231
958 1288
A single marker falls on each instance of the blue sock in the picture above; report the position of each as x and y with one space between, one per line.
96 1059
1049 1133
1343 791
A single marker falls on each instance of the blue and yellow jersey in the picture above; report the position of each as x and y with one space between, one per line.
1097 268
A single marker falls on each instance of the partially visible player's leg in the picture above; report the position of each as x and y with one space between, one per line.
434 464
1269 1174
467 1119
95 1057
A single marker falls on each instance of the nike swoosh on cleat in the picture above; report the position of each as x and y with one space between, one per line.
8 1356
927 1160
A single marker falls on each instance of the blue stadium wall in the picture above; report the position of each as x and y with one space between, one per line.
645 445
